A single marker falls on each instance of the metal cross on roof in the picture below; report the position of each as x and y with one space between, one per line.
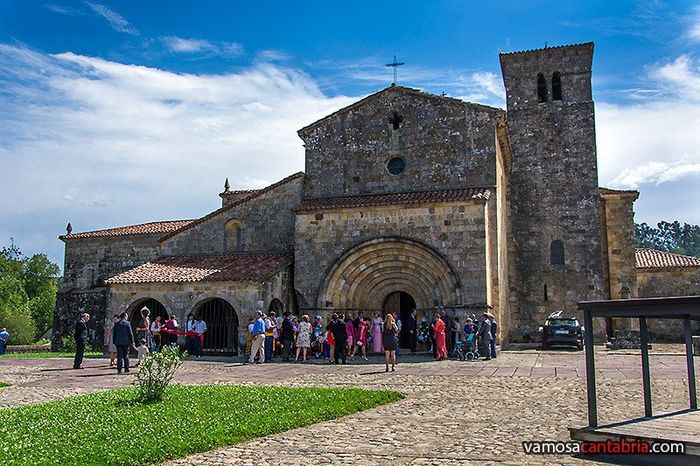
395 65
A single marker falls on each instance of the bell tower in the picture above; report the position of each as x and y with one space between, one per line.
555 258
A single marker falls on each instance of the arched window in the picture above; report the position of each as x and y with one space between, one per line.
556 251
233 236
556 86
541 88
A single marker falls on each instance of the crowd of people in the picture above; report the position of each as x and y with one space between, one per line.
286 336
344 337
348 336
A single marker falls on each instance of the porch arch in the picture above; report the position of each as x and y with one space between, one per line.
366 274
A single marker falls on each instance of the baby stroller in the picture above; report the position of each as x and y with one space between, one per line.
469 350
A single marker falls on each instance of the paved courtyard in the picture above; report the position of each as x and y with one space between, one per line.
454 412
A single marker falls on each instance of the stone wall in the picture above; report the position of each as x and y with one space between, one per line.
445 143
553 187
455 232
182 298
90 261
267 225
70 305
619 244
669 281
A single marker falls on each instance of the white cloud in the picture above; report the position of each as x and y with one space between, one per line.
694 21
81 133
63 9
653 140
652 144
201 46
273 55
114 19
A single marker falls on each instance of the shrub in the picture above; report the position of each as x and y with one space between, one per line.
156 372
68 343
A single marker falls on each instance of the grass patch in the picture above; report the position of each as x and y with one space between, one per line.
3 384
49 355
110 428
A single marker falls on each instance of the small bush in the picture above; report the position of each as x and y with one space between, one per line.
68 344
156 372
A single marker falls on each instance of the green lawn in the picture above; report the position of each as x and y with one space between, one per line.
110 428
3 384
49 354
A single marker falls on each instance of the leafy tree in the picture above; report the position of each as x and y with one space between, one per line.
669 236
28 287
14 311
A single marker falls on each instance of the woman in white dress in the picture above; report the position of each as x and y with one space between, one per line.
303 338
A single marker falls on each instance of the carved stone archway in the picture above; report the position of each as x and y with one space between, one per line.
366 274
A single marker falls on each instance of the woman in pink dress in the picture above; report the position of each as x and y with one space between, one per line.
350 329
440 340
377 324
361 339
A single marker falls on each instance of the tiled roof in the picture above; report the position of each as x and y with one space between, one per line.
140 229
653 259
254 194
420 197
231 267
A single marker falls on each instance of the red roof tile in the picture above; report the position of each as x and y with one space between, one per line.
419 197
255 193
653 259
231 267
140 229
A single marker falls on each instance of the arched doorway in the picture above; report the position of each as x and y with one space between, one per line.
221 336
155 309
402 304
276 307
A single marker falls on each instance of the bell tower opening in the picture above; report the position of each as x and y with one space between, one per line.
402 304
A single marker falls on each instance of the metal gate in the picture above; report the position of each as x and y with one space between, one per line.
221 336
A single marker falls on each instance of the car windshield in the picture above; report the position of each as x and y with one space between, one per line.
562 322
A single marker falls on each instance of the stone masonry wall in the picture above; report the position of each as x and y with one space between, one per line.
267 225
445 143
70 305
669 281
619 228
553 187
91 260
182 298
457 231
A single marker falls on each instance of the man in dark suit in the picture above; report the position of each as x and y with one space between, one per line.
411 327
123 339
287 336
340 334
80 335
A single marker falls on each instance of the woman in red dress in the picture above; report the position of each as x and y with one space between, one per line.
440 340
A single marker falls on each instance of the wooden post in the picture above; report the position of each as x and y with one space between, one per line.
590 369
692 393
646 376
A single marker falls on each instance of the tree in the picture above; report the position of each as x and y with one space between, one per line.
28 295
40 282
14 311
669 236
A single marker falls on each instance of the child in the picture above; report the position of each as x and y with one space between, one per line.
330 344
142 351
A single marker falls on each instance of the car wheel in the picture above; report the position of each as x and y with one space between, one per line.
545 346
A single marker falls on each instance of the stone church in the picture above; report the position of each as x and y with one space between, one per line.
407 200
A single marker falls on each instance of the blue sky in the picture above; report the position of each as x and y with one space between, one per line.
119 112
